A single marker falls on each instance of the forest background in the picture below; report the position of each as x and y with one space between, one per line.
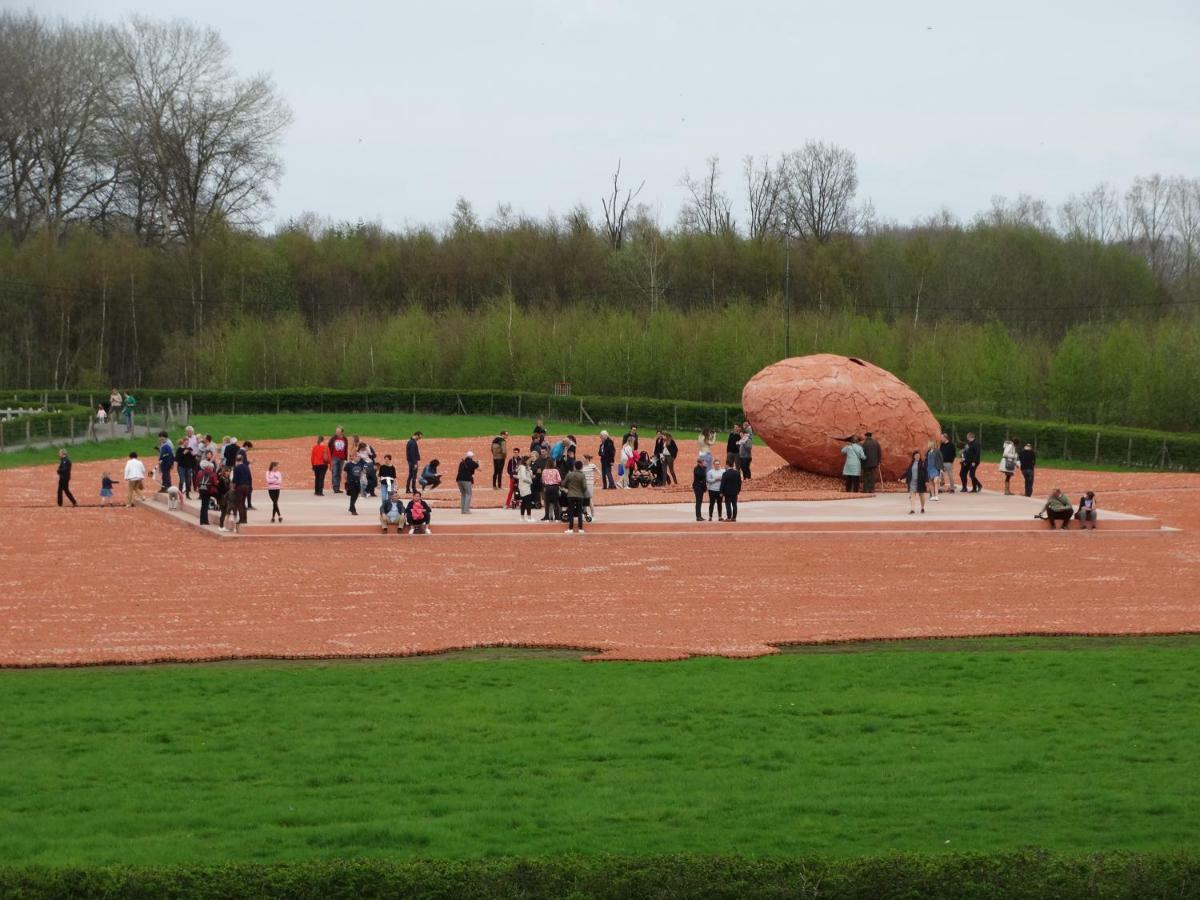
136 169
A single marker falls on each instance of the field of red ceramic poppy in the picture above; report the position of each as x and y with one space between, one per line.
93 585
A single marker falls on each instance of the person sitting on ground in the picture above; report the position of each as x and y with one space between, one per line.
418 515
391 512
429 475
1087 510
1057 509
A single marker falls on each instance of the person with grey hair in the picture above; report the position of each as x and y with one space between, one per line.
466 481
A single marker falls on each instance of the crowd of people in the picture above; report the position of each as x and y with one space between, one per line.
551 477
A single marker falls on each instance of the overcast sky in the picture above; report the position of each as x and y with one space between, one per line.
401 107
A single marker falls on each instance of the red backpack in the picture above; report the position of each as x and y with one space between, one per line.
417 511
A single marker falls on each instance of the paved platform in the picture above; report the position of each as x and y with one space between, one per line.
308 515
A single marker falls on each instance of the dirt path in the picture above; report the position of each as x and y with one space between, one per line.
97 585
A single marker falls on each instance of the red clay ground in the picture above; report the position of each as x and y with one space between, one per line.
123 586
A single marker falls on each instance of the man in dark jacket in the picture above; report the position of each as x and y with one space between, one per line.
1028 460
412 453
166 460
466 481
64 478
700 486
731 442
873 456
731 486
499 454
242 481
608 456
948 454
970 462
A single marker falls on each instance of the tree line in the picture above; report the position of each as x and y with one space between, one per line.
136 165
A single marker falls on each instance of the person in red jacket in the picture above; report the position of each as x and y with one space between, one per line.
339 450
320 465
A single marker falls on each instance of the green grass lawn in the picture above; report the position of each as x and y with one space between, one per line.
985 746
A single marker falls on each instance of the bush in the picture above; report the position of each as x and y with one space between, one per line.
1011 876
60 422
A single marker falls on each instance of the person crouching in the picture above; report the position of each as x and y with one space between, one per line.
417 515
1057 509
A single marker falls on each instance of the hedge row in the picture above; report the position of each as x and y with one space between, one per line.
1013 876
1084 443
61 422
1081 443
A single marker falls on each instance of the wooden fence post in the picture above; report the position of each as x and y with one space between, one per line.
1096 455
28 431
518 406
72 426
1129 453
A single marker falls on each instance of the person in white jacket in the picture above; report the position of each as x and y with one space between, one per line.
525 488
135 474
628 461
1009 464
713 481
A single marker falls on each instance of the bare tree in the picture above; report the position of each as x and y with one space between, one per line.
819 184
1026 211
1148 206
54 110
1185 221
643 261
764 197
208 138
616 209
708 209
1094 216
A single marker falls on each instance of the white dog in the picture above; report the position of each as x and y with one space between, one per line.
172 498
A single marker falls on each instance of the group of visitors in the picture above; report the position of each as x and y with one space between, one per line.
117 405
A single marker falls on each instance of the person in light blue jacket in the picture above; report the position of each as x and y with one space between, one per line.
853 467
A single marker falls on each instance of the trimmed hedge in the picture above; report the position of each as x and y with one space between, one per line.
1114 445
1084 443
61 422
1022 875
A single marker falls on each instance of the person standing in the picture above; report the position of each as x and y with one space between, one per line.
852 468
971 458
872 457
319 457
499 455
672 453
712 480
916 481
512 498
576 487
166 461
242 485
551 480
731 442
64 478
274 485
631 437
135 474
339 452
608 457
206 484
628 460
129 406
1008 464
1028 460
948 455
745 451
589 475
412 455
704 442
933 469
185 465
387 476
525 488
700 486
466 481
731 486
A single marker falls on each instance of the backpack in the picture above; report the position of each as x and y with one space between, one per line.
207 482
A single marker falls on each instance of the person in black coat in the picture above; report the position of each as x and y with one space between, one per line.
1027 457
412 455
970 463
916 480
700 486
731 486
608 456
64 478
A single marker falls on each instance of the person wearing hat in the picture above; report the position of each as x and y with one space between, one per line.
64 478
872 457
466 481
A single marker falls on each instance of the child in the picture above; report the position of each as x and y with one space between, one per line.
101 415
274 483
106 489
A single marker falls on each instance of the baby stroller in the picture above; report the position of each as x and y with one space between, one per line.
647 472
564 510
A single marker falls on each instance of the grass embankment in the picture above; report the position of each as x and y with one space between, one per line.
843 754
